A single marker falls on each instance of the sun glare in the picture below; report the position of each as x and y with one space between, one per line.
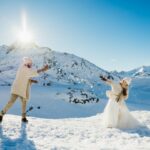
24 36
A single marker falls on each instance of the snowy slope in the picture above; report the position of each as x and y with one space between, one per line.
46 104
72 134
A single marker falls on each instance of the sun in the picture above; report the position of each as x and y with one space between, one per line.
24 35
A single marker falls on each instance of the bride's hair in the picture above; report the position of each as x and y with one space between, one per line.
124 91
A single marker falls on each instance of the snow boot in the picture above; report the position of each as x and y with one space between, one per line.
24 120
1 118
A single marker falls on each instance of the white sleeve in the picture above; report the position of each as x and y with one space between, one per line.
114 84
110 82
33 73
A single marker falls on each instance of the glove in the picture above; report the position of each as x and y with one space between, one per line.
103 78
45 68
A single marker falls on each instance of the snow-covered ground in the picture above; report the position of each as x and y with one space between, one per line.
72 134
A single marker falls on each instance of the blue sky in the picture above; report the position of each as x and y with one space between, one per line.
113 34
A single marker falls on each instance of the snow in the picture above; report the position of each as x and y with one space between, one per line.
72 134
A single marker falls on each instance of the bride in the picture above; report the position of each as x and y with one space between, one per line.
116 113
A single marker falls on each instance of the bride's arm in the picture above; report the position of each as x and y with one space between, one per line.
108 81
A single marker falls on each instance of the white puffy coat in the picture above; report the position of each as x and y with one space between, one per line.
21 84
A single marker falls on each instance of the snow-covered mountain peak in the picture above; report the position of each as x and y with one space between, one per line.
143 71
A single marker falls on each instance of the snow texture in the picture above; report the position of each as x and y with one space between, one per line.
72 134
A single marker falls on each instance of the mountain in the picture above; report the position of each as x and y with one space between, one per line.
78 77
73 79
143 71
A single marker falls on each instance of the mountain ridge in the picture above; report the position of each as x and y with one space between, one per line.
78 78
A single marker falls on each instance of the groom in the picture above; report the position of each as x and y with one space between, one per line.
21 86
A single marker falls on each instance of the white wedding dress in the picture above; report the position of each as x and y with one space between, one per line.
116 114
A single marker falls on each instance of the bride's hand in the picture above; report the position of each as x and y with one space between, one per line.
102 78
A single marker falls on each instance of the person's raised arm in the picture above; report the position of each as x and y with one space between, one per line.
33 81
45 68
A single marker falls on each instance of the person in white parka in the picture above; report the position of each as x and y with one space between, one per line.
116 113
21 86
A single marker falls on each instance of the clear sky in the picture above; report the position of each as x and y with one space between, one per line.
113 34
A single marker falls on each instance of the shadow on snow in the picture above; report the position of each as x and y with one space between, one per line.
20 143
